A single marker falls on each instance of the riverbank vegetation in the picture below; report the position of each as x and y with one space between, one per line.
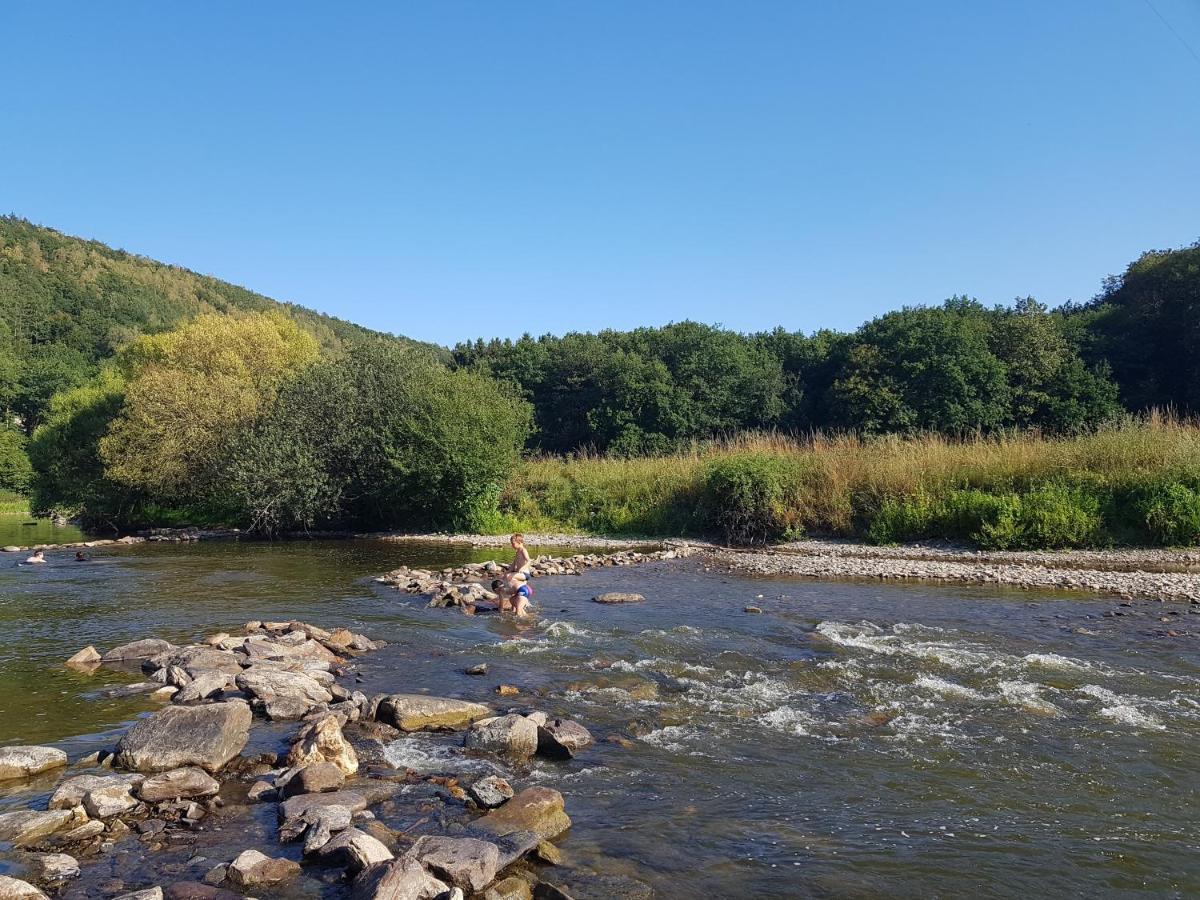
140 394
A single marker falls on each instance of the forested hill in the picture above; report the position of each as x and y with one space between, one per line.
67 304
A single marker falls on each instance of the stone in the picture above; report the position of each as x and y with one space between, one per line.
323 742
416 712
260 790
55 866
154 893
355 850
143 649
507 690
588 886
87 658
301 803
612 597
510 888
84 832
202 687
753 610
22 761
254 869
205 736
188 783
562 738
16 889
196 660
217 874
72 791
195 890
28 826
317 778
112 798
538 810
400 879
283 695
549 854
512 734
467 863
490 791
478 669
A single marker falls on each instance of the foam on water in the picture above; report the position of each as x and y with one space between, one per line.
425 755
791 720
1027 695
1122 709
947 688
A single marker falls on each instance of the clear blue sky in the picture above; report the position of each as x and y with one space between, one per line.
449 170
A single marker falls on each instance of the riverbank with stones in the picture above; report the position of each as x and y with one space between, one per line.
189 768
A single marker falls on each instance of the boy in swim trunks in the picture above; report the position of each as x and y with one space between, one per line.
514 596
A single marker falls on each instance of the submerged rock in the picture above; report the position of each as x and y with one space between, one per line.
512 734
16 889
143 649
510 888
537 810
416 712
21 762
178 736
255 869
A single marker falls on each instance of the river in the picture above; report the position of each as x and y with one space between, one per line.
853 740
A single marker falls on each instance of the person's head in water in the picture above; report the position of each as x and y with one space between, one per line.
39 556
80 556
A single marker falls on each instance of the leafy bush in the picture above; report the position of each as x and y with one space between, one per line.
1049 516
15 470
1170 512
750 499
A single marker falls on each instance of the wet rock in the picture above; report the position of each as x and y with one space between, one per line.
510 888
112 798
546 852
21 761
151 826
178 736
538 810
54 867
143 649
16 889
194 890
586 886
71 792
478 669
217 874
202 687
467 863
324 742
612 597
753 610
84 832
317 778
260 790
416 712
27 826
353 849
188 783
87 658
507 690
562 738
512 734
490 791
400 879
154 893
254 869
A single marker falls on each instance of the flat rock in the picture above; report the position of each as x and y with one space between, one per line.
143 649
562 738
196 660
23 761
513 734
54 866
87 658
188 783
16 889
284 695
538 810
154 893
27 826
400 879
112 796
194 890
323 742
416 712
178 736
612 597
467 863
490 791
202 687
317 778
355 850
510 888
255 869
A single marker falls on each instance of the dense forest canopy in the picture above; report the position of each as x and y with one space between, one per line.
134 391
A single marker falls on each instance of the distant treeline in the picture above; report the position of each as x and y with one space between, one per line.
959 368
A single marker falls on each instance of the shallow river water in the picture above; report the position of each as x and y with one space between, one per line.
853 740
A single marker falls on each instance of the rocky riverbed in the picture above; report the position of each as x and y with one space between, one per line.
195 766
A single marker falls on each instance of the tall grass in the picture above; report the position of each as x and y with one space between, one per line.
13 504
1137 482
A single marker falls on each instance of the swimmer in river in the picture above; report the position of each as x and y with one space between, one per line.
80 556
514 596
39 556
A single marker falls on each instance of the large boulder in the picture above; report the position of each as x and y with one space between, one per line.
254 869
143 649
416 712
562 738
283 695
103 796
16 889
401 879
188 783
28 826
538 810
512 734
178 736
21 762
466 863
323 741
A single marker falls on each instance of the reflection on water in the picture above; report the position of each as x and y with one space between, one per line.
23 530
855 740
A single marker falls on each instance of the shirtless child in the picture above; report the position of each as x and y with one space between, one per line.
514 597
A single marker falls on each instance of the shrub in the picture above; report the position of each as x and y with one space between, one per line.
750 499
1049 516
15 470
1171 513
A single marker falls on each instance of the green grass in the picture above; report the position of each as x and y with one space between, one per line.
1134 483
13 504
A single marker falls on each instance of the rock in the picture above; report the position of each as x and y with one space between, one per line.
87 658
416 712
55 867
112 798
197 660
323 823
154 893
512 734
27 826
490 791
16 889
84 832
400 879
301 803
562 738
260 790
355 850
323 742
205 736
507 690
284 695
317 778
72 792
189 783
538 810
478 669
217 874
144 649
194 890
255 869
203 686
753 610
618 597
511 888
467 863
587 886
21 762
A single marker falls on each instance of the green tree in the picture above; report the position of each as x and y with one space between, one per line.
15 470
